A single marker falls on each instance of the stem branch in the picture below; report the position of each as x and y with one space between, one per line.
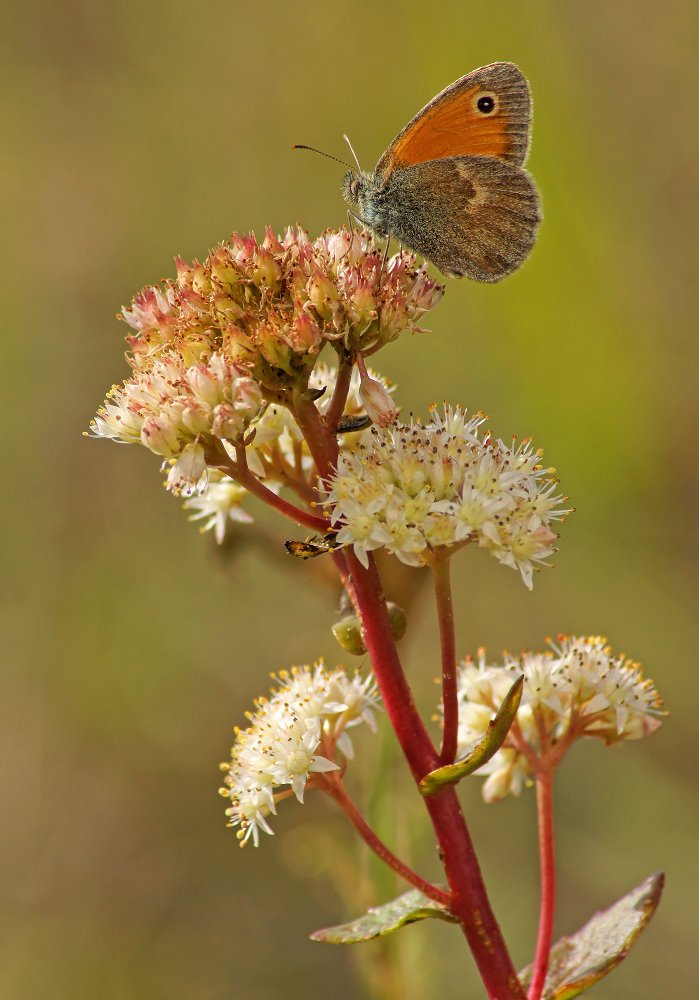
239 471
342 384
445 613
544 803
332 784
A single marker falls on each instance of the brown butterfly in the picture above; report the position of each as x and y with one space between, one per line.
451 185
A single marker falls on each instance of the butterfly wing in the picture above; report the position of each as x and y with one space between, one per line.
485 113
472 215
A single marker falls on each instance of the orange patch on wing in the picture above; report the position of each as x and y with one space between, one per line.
453 127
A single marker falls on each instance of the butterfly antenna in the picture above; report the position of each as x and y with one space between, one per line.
329 155
354 155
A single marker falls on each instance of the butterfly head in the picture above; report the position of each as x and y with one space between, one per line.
352 186
361 191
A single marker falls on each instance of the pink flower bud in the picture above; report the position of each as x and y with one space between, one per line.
273 348
267 273
187 472
184 272
247 397
363 304
304 336
160 435
338 244
271 242
226 422
224 273
204 386
377 402
201 280
196 417
323 295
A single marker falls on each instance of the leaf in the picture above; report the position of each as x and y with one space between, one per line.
380 920
487 747
581 960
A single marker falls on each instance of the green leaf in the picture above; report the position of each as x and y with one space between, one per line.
581 960
380 920
487 747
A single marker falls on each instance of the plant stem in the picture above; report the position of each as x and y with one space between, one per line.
445 613
342 384
239 471
469 899
332 784
544 804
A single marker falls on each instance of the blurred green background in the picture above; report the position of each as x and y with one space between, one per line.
135 131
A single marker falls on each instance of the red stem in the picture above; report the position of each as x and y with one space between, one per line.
242 475
469 900
445 614
332 784
342 384
544 803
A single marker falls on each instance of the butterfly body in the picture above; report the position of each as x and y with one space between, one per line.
451 185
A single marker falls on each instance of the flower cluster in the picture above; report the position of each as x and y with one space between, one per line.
170 406
246 327
278 453
577 688
293 735
271 306
417 488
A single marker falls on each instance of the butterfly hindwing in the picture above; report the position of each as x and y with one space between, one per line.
470 215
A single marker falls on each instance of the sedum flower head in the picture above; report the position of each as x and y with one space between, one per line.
210 347
577 688
293 735
171 407
270 306
416 488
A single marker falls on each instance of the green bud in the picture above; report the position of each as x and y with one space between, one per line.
398 620
348 633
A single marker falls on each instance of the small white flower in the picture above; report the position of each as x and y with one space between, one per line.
413 488
168 405
578 688
293 735
218 505
187 474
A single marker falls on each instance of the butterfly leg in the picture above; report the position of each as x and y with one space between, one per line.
384 259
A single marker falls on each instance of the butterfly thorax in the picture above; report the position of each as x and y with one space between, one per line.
365 193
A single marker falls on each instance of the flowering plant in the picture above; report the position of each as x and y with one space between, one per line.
229 389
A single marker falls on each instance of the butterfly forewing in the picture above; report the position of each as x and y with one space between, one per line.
485 113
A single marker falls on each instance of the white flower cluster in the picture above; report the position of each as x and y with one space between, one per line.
276 453
169 406
578 688
292 735
418 487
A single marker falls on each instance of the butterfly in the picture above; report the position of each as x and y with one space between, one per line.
451 186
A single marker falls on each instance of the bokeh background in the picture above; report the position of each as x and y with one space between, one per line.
133 131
